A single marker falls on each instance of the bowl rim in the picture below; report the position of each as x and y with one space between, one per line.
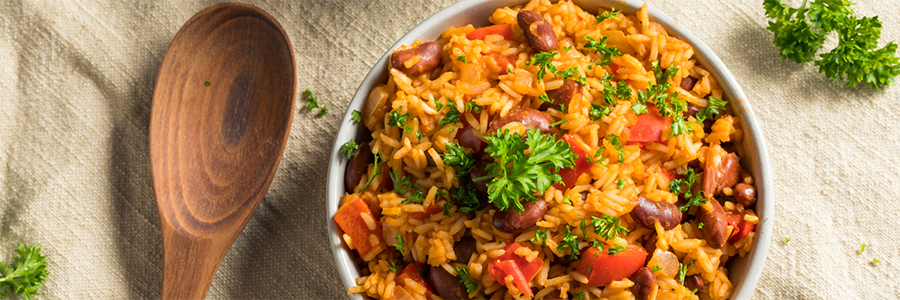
464 12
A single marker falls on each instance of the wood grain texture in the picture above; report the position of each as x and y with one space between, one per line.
221 114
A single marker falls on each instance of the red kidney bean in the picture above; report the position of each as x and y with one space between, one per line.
511 221
745 194
714 223
529 117
429 54
694 282
644 281
688 83
539 33
725 175
464 249
648 212
357 166
467 138
563 95
478 171
446 285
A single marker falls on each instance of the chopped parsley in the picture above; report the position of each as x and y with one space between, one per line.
614 140
452 115
207 83
875 261
508 69
716 106
655 268
356 116
312 102
613 250
557 123
466 197
540 236
608 227
348 148
402 185
611 14
589 269
462 58
599 157
689 179
580 295
682 271
396 119
399 244
567 201
473 107
466 279
620 183
457 157
598 111
543 60
392 265
323 111
861 249
447 207
516 176
544 98
604 52
639 108
700 226
569 241
378 171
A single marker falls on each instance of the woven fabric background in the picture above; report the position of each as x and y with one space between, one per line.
76 83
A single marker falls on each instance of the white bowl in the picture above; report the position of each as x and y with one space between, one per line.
743 271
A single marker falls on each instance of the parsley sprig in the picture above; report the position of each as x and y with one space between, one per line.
312 103
800 33
348 148
677 185
569 241
517 176
26 273
378 170
457 157
467 279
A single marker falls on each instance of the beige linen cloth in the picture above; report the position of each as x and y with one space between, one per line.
76 83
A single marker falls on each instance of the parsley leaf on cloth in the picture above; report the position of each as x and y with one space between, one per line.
517 176
800 32
26 273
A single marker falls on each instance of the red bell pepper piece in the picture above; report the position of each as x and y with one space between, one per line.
412 271
582 165
649 127
349 218
503 61
602 268
518 267
481 33
741 226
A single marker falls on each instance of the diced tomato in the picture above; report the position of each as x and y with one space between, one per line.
671 174
649 127
518 267
582 165
741 227
433 209
605 268
503 61
412 271
481 33
614 68
349 218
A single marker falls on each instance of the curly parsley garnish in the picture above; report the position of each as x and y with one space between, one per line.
598 111
800 32
543 60
614 140
685 183
395 118
26 273
457 157
466 279
516 176
716 106
569 241
604 52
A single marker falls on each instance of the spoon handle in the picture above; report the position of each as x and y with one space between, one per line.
190 264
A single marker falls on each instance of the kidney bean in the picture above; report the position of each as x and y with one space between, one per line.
467 138
464 250
725 175
446 285
563 95
692 110
714 223
745 194
357 167
694 282
529 117
648 212
688 83
644 280
539 33
512 221
478 171
429 54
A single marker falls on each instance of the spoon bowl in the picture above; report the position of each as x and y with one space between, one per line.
221 114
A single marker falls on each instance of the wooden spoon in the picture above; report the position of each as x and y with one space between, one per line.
221 114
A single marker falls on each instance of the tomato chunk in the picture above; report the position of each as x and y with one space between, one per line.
350 218
649 127
412 271
433 209
481 33
602 268
582 165
741 226
510 264
503 61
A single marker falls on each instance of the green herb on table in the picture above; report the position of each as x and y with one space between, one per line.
862 248
348 148
875 261
515 176
788 240
26 273
800 33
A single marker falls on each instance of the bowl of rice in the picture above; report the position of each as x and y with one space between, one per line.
549 150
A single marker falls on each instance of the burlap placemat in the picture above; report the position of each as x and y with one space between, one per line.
77 78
